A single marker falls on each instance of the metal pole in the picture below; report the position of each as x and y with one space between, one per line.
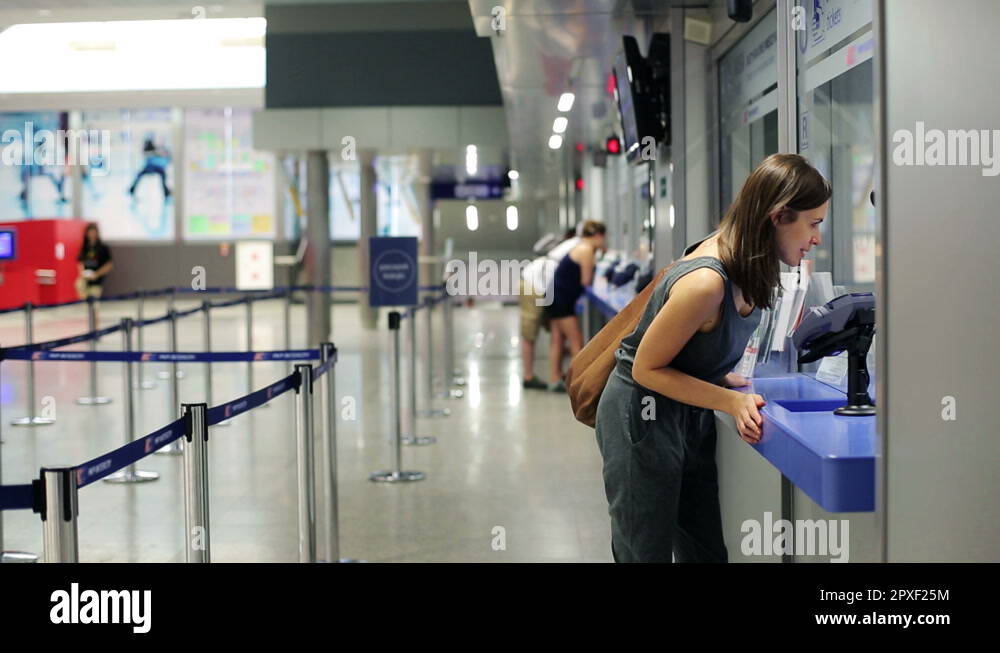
206 308
174 393
395 475
328 408
412 438
129 474
198 545
165 374
31 419
304 464
250 387
60 508
144 383
449 352
11 556
430 411
92 399
288 321
249 344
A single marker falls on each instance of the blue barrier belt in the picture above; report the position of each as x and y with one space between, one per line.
16 497
109 463
168 356
323 368
260 397
55 344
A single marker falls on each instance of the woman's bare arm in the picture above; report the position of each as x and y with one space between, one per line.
694 299
587 263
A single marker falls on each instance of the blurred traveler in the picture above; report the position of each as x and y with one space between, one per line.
574 272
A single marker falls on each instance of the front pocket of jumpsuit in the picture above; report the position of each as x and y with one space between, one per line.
639 428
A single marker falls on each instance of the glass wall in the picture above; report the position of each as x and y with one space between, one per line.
836 132
748 107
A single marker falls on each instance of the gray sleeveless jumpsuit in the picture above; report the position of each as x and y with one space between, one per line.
659 474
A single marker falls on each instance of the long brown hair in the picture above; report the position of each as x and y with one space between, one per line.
747 237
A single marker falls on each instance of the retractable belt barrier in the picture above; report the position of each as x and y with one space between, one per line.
166 356
55 492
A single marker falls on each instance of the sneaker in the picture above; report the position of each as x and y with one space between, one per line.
557 387
535 384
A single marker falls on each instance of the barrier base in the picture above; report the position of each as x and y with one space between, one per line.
172 449
434 412
396 477
132 477
146 384
93 401
164 374
32 421
418 440
451 394
343 561
17 557
458 381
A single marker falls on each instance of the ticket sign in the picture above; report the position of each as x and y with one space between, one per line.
392 271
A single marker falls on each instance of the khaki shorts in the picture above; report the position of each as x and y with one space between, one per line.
532 316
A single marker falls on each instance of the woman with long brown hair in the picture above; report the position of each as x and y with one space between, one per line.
655 420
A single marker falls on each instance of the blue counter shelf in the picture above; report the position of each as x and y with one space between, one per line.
829 457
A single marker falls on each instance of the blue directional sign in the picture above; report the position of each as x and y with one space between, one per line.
392 271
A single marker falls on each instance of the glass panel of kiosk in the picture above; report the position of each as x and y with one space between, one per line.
748 106
836 131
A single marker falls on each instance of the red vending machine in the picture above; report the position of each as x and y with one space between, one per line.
38 261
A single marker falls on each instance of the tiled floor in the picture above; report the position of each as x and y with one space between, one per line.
505 457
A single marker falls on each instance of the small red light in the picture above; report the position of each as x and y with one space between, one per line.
612 83
614 146
579 147
579 183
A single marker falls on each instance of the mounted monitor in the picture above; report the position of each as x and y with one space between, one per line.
8 245
642 93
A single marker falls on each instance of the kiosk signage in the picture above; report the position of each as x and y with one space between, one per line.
393 271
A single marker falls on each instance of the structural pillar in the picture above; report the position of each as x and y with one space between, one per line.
369 228
318 253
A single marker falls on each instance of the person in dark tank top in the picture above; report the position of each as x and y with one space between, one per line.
574 272
655 421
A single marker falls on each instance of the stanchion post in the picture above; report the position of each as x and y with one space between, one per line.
174 393
171 306
450 377
143 382
30 419
288 319
92 399
429 410
129 474
304 463
59 506
197 547
249 343
11 556
412 438
206 309
396 475
328 408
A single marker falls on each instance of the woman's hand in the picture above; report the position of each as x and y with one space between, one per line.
734 380
744 410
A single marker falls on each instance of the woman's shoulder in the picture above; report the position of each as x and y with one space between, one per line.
702 283
581 252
